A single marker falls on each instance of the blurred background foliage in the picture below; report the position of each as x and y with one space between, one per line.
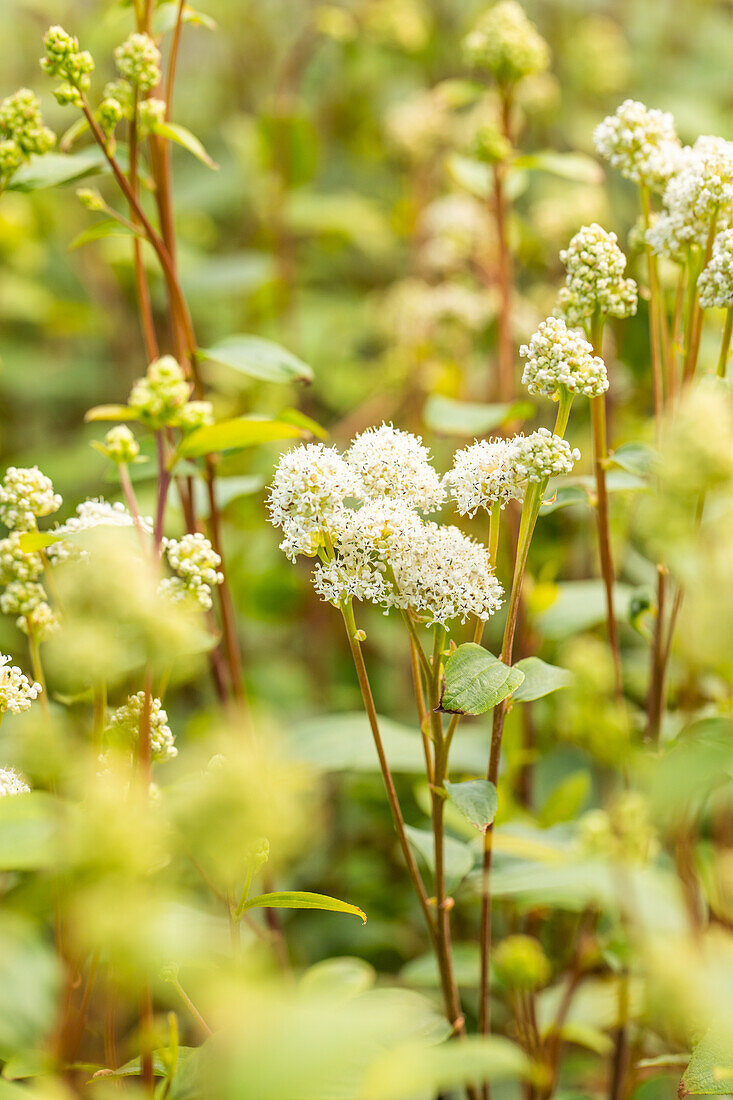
341 223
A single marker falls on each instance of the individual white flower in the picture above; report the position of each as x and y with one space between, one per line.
90 515
395 464
196 562
125 720
308 490
17 692
558 356
542 455
12 782
700 189
595 277
446 575
483 474
15 564
25 495
640 142
715 285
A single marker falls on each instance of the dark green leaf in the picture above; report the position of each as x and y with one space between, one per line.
476 799
540 679
475 680
258 358
302 899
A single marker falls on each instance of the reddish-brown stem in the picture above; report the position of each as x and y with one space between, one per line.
164 480
655 698
141 282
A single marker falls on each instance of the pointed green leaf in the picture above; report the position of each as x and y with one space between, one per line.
100 231
476 799
413 1069
540 679
475 680
166 17
635 458
258 358
53 169
570 166
295 416
112 412
563 497
302 899
181 136
231 435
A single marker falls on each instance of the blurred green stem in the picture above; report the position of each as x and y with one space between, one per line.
600 459
501 212
696 314
654 312
725 345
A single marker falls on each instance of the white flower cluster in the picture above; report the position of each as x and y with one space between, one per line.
17 692
561 357
15 564
715 285
595 277
701 187
387 555
12 782
391 463
25 495
483 474
127 718
380 549
196 562
307 492
454 229
542 455
640 142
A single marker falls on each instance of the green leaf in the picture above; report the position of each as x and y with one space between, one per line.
567 799
26 831
414 1070
302 899
112 412
467 418
166 17
258 358
569 166
458 857
181 136
476 799
30 981
233 435
475 680
565 496
53 169
101 230
635 458
300 420
579 605
338 979
355 218
710 1072
32 541
540 679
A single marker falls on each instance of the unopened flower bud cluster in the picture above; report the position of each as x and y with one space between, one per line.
138 61
559 357
196 564
66 61
506 44
595 278
162 393
125 723
22 133
120 445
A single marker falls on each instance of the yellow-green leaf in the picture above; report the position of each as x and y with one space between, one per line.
181 136
231 435
302 899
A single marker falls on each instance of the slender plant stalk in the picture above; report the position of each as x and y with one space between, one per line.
505 358
725 344
655 698
658 367
696 317
600 458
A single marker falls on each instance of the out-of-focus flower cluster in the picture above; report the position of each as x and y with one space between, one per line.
506 44
196 564
715 285
22 133
126 721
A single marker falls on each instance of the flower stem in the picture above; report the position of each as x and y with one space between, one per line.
725 345
654 313
505 387
695 333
